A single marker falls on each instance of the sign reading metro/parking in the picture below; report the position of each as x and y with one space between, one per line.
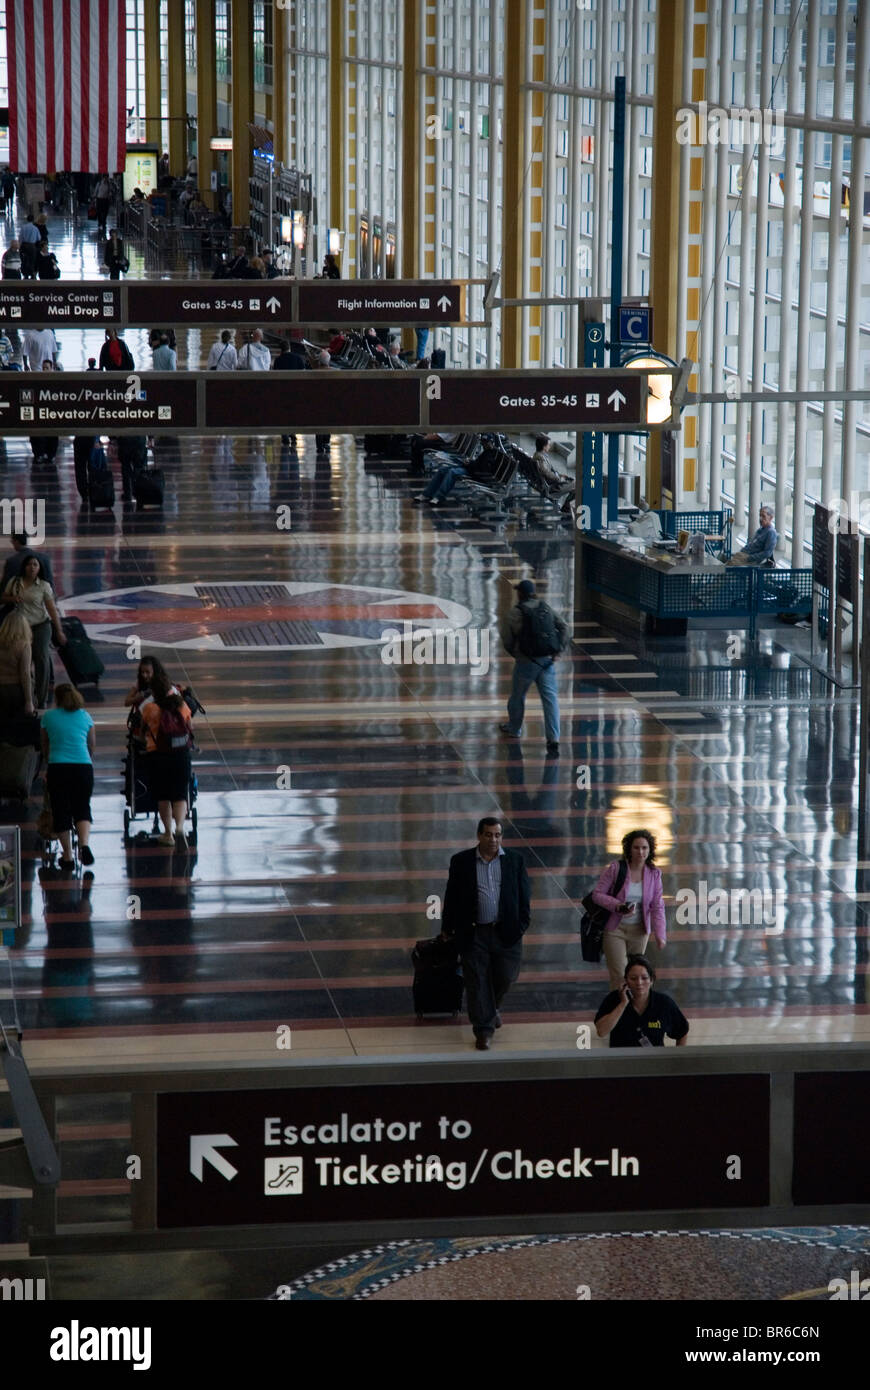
357 1153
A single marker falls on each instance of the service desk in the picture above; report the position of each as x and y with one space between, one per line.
635 582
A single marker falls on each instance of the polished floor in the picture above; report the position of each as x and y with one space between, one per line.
333 786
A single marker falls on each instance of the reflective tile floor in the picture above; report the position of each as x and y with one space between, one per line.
333 786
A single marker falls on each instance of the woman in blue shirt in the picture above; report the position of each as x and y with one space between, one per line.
68 748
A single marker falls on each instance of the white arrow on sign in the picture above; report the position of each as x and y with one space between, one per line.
616 398
273 304
444 303
204 1149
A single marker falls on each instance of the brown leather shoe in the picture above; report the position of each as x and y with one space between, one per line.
483 1044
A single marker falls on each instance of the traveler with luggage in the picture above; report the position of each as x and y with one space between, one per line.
34 599
47 267
16 657
115 256
487 907
68 748
534 636
631 890
166 725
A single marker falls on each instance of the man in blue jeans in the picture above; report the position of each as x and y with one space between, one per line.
534 636
760 547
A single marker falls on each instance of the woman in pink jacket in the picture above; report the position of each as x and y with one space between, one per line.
636 909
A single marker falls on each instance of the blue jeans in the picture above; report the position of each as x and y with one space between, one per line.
422 340
444 481
542 674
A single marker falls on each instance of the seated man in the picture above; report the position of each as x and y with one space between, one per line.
760 547
445 478
420 443
549 477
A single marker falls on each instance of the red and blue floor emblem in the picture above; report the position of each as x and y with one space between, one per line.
283 616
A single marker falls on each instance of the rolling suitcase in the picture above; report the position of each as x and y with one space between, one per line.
148 487
82 664
18 768
101 484
438 983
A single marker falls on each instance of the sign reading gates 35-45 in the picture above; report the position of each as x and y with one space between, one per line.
356 1153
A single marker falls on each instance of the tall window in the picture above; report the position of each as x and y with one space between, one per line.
190 34
223 57
262 43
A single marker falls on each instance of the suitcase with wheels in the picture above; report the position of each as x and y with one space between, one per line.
148 487
18 769
82 664
438 983
101 484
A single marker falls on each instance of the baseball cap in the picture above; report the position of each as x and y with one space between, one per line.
525 588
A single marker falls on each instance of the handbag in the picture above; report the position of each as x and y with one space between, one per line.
594 919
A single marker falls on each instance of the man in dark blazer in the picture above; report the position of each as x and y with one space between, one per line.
487 908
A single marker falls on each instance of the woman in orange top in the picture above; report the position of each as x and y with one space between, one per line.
166 721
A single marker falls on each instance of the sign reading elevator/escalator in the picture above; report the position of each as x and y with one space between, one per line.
429 302
23 302
90 402
497 400
353 1153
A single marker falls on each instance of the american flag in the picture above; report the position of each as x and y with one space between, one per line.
67 85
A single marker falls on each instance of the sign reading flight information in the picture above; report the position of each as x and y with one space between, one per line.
476 1149
429 302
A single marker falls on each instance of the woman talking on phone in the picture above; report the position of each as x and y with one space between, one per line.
631 888
636 1015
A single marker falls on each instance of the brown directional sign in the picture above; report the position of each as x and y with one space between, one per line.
96 403
339 302
482 1149
502 400
209 301
340 402
180 303
49 302
336 400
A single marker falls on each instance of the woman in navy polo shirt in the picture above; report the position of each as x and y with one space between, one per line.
636 1015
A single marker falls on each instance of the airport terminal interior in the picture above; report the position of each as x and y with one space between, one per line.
460 140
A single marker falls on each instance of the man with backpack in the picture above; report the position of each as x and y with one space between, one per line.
534 636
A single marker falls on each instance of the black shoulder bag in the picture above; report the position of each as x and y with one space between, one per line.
594 919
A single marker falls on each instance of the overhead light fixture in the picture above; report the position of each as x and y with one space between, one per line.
666 392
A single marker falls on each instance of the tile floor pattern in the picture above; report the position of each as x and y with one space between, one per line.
333 787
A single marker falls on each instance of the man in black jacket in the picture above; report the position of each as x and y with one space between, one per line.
487 908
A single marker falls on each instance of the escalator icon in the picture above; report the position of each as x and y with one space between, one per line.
282 1177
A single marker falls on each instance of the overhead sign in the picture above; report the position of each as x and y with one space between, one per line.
502 400
96 403
480 1149
50 302
184 303
340 302
167 302
316 401
831 1137
635 324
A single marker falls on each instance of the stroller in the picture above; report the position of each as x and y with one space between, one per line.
136 791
